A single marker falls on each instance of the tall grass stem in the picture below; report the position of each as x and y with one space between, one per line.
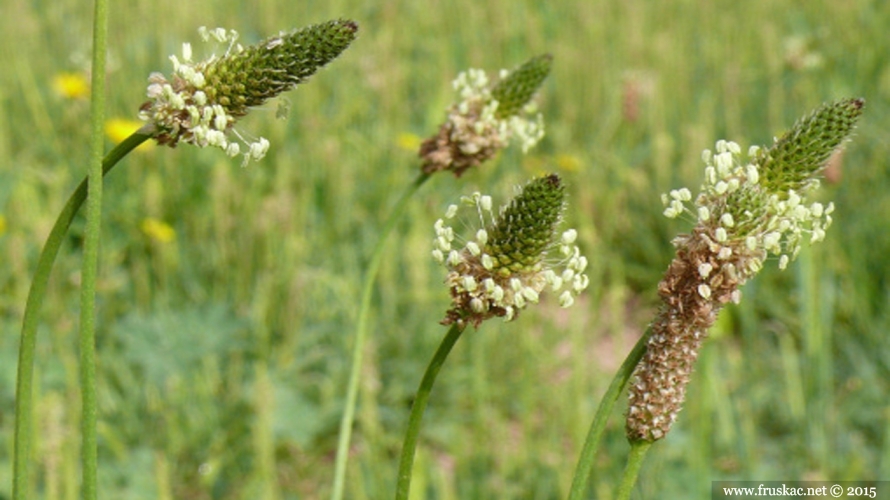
89 270
361 334
24 401
598 425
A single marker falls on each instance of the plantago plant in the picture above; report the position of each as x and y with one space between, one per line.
748 208
479 124
512 259
504 267
202 101
198 105
487 118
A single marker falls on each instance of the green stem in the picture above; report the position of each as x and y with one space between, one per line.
638 451
409 445
361 330
89 269
588 452
24 382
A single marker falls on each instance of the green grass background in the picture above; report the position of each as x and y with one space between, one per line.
224 354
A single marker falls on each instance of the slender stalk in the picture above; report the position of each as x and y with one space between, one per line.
24 382
358 347
89 270
638 451
591 443
409 445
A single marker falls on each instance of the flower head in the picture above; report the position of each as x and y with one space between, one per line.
118 129
203 100
157 230
71 85
487 118
513 257
747 209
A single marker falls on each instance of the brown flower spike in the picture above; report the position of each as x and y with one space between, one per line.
487 118
744 212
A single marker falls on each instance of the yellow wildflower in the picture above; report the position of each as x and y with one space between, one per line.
118 129
157 230
71 85
408 141
568 162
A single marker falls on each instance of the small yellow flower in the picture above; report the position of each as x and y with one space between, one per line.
2 224
157 230
408 141
71 85
118 129
568 163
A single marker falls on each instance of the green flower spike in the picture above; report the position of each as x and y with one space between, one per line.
517 88
800 155
203 100
507 265
487 118
745 211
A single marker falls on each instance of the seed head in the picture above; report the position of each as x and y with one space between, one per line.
506 266
487 118
745 211
202 101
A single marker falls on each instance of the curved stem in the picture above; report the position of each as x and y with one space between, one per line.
358 347
409 445
24 380
638 451
89 268
588 452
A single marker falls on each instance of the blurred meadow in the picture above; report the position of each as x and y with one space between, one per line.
228 295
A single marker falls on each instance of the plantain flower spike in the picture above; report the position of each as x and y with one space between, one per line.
487 118
202 101
513 257
747 209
